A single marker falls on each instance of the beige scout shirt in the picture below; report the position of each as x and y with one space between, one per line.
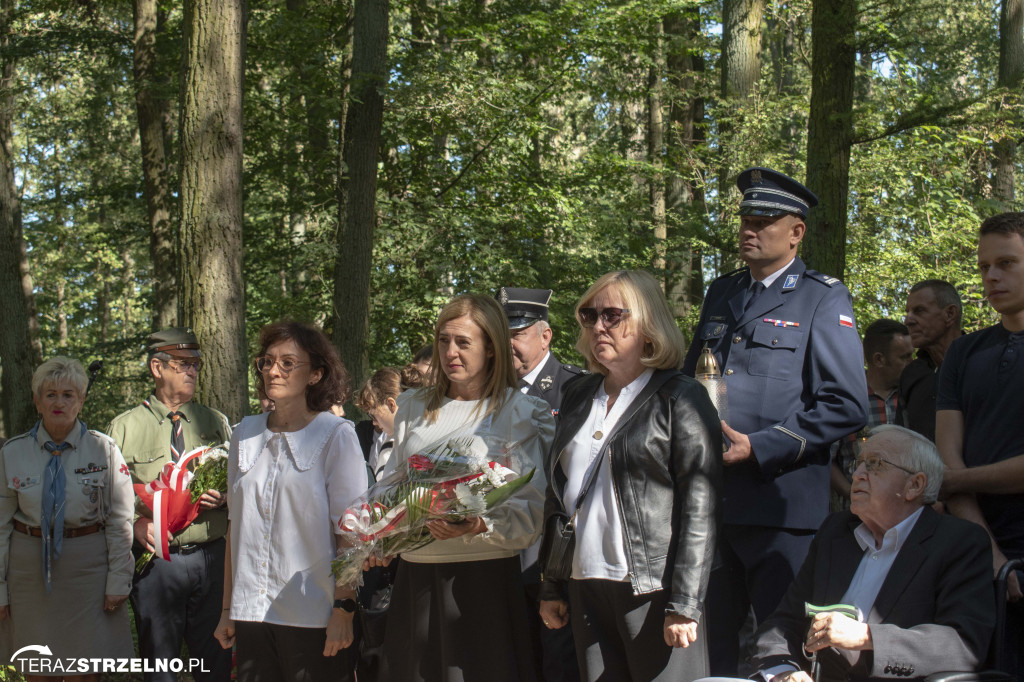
144 436
98 489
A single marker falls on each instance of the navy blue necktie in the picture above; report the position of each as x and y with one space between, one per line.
54 499
753 294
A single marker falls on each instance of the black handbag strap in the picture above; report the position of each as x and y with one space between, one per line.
588 483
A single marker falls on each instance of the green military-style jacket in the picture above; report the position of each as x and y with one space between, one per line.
144 436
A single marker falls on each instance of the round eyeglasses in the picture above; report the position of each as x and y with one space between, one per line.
286 365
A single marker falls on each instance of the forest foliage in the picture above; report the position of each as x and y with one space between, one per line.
535 143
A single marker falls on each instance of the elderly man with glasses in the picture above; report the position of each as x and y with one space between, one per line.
920 581
179 599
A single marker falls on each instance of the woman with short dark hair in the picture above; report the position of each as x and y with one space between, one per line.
292 472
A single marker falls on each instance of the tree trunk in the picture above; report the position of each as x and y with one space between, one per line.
1011 73
357 209
740 65
211 290
684 194
655 152
150 106
830 132
784 61
17 308
741 47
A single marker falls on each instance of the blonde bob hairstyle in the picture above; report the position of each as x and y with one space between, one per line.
486 314
58 370
649 316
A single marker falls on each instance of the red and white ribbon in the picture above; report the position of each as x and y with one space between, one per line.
174 477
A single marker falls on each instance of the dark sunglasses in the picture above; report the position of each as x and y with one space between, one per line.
610 316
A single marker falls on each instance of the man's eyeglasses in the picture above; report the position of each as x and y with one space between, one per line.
185 366
286 365
873 464
611 317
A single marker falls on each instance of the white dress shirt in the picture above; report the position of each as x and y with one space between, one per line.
770 279
286 492
875 564
534 373
600 548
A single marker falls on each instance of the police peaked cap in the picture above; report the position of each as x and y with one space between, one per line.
179 341
770 193
524 306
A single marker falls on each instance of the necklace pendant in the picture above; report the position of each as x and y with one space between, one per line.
598 435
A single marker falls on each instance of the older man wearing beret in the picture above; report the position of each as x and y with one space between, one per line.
177 600
920 582
792 362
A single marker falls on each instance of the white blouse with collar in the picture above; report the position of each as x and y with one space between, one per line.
286 492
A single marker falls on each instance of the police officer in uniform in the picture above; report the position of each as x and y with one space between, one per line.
540 374
178 599
785 339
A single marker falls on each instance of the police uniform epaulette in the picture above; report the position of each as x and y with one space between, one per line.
737 271
573 369
827 280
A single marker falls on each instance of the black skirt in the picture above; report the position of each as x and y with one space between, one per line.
458 622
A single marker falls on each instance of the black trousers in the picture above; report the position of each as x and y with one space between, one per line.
281 653
556 648
754 567
620 636
180 600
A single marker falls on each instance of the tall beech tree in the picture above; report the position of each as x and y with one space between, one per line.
357 212
1011 77
211 290
830 132
17 307
151 104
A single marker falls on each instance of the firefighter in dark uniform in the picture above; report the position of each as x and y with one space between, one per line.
788 348
540 374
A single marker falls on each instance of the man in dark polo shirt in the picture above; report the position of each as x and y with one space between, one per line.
934 314
177 600
979 430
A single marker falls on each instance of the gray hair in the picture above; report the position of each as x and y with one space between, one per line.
57 370
916 453
541 326
945 295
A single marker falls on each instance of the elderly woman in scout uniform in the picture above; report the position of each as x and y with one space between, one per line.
65 530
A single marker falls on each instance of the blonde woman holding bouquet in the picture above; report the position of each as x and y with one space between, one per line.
291 474
637 464
457 612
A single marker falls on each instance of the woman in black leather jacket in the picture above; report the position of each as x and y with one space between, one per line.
645 530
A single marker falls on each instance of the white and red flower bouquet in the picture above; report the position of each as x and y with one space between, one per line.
173 496
456 478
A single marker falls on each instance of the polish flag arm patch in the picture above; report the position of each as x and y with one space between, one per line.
846 321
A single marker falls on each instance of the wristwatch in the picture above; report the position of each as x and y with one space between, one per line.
346 605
